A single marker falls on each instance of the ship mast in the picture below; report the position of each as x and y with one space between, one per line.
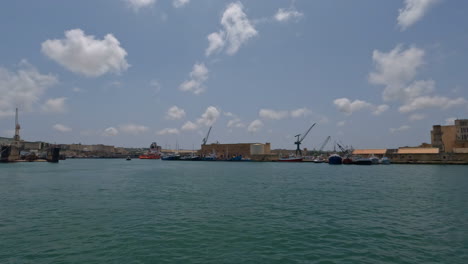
17 128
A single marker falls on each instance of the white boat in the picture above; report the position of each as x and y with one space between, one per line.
374 159
384 160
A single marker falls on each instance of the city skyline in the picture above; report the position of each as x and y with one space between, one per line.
130 72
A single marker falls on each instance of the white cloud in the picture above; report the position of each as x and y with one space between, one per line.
216 43
416 117
300 112
22 88
236 122
255 126
395 70
400 129
284 15
209 117
341 123
137 4
379 109
198 76
110 132
55 105
450 121
237 30
175 113
168 131
84 54
425 102
133 129
189 126
413 11
77 90
61 128
345 105
273 114
180 3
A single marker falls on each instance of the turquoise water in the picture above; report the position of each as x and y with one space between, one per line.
147 211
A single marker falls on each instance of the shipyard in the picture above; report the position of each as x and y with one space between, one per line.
449 145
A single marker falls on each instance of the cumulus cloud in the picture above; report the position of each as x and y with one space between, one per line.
236 122
86 55
216 43
237 30
156 85
22 88
209 117
348 107
180 3
395 70
168 131
300 112
110 132
133 129
379 109
175 113
345 105
61 128
189 126
413 11
286 14
255 126
273 114
55 105
198 76
416 117
425 102
399 129
137 4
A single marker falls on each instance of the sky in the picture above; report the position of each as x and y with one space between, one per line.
371 74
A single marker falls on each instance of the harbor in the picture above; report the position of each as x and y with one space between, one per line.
449 145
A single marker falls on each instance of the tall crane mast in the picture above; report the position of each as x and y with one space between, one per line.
300 139
17 127
324 144
206 138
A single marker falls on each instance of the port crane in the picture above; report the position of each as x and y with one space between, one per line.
324 144
300 139
346 151
206 138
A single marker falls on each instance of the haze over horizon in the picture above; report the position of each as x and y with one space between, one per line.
371 74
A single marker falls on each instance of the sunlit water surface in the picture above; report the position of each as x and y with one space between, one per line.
152 211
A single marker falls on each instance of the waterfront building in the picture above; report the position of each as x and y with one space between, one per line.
451 138
246 150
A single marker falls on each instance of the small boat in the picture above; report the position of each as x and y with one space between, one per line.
374 159
384 160
335 159
348 160
363 161
291 158
128 158
171 157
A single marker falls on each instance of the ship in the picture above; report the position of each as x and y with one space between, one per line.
291 158
335 159
154 152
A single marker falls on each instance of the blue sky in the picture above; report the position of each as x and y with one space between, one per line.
372 74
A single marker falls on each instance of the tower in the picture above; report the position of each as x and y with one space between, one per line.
17 127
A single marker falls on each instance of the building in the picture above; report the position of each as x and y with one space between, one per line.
246 150
370 152
451 138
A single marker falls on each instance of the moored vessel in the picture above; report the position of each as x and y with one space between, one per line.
335 159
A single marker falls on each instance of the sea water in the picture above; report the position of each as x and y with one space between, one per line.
153 211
